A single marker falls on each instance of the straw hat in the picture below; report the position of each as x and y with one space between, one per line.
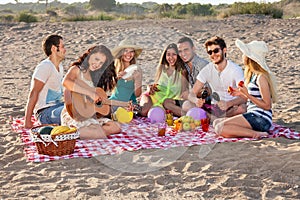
127 43
256 50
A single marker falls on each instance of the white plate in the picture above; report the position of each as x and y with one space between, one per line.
129 71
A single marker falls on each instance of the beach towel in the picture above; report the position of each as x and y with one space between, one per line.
139 134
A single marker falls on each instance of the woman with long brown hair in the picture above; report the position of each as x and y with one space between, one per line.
170 80
93 69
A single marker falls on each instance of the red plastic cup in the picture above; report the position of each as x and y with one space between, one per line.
205 124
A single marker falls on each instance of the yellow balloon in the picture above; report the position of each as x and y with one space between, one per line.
123 116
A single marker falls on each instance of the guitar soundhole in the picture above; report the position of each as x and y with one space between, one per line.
99 104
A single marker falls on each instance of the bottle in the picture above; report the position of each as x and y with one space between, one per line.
169 118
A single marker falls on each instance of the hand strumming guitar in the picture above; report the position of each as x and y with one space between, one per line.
133 107
96 96
130 106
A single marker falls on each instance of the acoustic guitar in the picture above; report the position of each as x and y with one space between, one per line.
81 107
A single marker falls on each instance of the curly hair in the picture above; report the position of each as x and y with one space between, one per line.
104 77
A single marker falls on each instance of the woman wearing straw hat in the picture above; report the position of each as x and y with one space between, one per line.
260 93
129 85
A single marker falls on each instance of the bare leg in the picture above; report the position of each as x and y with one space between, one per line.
96 131
93 131
230 131
217 121
237 126
111 128
187 105
236 110
170 104
146 104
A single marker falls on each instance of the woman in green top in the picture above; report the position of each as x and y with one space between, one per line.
129 85
170 80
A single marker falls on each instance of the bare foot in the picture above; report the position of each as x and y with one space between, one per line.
258 135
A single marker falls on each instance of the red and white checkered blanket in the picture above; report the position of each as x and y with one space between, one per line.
139 134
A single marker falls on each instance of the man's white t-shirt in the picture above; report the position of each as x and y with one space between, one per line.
51 94
219 81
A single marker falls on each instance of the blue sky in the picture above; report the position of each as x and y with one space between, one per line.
214 2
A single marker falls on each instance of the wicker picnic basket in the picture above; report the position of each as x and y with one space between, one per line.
57 145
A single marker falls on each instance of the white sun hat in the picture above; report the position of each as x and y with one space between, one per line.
256 50
127 43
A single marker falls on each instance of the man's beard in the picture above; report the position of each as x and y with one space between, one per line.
221 60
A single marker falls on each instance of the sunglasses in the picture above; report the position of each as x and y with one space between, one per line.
213 51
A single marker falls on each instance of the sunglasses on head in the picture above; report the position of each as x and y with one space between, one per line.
216 50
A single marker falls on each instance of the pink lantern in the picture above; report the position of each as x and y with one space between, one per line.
157 115
196 113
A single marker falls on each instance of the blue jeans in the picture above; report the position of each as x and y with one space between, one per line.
258 123
50 115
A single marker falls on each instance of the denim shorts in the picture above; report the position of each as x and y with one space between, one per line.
50 115
258 123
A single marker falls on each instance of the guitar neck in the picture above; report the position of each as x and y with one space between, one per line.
115 103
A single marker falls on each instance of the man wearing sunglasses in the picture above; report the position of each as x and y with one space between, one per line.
220 73
193 63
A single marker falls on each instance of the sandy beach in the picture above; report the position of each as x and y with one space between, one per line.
262 169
